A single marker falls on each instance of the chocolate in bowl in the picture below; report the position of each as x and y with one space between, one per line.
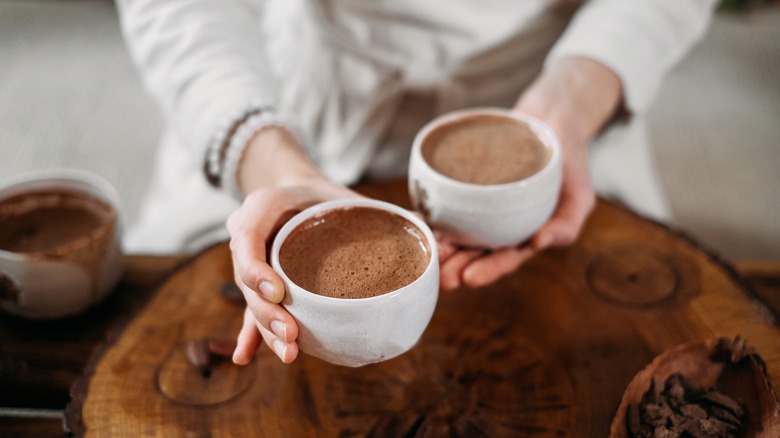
720 369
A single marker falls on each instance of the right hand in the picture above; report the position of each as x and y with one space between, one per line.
575 98
267 206
252 228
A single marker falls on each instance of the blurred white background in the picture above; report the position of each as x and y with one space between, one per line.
69 97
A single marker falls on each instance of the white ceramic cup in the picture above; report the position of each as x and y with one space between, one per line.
67 283
485 216
359 331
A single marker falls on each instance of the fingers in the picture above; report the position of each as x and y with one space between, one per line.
248 341
489 268
446 248
287 351
271 316
276 325
451 270
248 240
567 221
475 268
251 228
252 332
253 272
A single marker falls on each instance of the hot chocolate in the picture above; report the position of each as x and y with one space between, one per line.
485 149
45 222
354 252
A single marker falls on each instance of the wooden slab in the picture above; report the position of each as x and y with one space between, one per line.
546 351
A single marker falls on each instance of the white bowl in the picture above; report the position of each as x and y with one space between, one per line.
486 216
53 287
360 331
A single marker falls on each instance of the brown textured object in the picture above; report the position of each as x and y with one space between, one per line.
731 368
546 351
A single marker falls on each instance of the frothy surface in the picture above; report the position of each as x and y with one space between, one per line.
41 222
485 150
354 252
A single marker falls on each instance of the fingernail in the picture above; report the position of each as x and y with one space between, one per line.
238 358
279 328
280 347
267 289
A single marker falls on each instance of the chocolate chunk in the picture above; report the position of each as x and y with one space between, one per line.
676 408
714 427
693 411
662 432
692 429
198 353
725 402
675 421
725 415
657 412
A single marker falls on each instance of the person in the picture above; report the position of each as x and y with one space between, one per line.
272 106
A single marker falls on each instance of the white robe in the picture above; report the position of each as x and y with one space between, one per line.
358 78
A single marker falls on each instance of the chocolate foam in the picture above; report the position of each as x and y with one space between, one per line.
51 223
485 149
354 252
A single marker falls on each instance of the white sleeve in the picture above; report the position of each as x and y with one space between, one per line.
203 61
639 40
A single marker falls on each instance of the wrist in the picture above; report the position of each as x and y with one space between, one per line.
596 89
577 96
274 158
594 94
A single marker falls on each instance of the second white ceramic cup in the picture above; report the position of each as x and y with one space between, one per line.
53 287
359 331
485 216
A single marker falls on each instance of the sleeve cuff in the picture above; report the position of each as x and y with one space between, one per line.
235 141
638 89
639 42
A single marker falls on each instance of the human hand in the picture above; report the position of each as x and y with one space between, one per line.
575 98
252 227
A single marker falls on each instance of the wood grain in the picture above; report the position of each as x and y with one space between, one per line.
546 351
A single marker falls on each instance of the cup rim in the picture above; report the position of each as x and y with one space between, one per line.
323 207
533 122
29 180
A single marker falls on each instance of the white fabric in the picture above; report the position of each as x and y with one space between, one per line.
358 78
234 149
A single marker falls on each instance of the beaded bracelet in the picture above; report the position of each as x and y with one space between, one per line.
215 151
238 144
226 148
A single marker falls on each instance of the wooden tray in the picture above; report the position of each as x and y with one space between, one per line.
546 351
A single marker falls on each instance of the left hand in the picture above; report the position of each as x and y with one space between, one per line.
576 97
